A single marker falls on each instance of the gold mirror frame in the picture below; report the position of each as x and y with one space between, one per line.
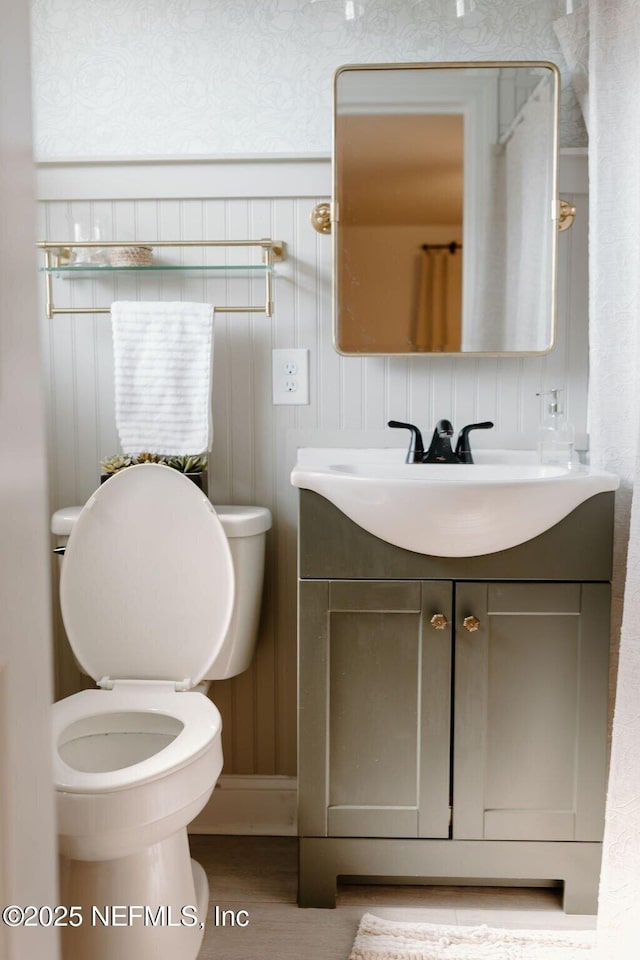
326 217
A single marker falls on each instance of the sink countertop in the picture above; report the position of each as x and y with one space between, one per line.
505 498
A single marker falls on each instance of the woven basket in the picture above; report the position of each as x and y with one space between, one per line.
131 256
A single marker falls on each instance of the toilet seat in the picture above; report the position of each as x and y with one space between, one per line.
200 718
144 621
147 584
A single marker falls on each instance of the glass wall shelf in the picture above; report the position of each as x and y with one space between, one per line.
271 252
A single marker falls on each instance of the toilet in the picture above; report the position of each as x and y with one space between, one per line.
154 603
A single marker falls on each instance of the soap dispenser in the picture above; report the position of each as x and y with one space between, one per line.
555 434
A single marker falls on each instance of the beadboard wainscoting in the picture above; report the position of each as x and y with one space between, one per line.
253 450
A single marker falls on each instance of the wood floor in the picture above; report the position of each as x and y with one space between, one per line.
258 875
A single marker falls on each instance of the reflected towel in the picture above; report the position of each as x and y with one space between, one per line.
163 357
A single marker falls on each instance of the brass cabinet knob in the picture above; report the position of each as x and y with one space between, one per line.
439 621
471 624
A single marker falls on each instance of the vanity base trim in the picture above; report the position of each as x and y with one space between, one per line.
323 859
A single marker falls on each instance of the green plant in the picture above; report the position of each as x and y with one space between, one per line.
188 464
115 463
148 458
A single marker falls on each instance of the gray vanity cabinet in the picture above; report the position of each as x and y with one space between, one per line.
453 725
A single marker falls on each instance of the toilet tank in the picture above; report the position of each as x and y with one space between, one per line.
246 529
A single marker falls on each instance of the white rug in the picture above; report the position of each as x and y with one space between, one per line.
379 939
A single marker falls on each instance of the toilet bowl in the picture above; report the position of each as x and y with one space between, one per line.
147 593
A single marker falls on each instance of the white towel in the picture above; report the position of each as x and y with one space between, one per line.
163 356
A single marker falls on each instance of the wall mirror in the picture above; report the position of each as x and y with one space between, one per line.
445 208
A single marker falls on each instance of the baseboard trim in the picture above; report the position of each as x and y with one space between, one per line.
250 806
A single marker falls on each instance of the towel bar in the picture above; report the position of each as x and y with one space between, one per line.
272 252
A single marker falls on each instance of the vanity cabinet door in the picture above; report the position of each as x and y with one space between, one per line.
530 711
374 687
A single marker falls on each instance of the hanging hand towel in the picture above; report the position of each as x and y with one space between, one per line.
162 356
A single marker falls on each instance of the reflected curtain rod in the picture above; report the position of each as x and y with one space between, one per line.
451 247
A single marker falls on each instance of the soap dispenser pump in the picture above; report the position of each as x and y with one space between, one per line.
555 435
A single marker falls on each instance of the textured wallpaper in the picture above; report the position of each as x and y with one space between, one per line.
116 78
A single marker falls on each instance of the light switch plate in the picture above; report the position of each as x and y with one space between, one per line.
290 376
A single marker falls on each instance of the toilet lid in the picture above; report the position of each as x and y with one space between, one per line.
147 582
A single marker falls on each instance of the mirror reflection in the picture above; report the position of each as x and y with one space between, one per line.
444 199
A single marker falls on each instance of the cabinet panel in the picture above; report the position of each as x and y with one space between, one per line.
373 708
526 735
531 712
375 678
577 548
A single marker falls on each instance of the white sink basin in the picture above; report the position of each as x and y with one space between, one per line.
448 510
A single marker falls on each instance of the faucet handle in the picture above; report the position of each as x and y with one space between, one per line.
485 425
463 447
415 453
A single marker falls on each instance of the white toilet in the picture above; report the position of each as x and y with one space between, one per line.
147 596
